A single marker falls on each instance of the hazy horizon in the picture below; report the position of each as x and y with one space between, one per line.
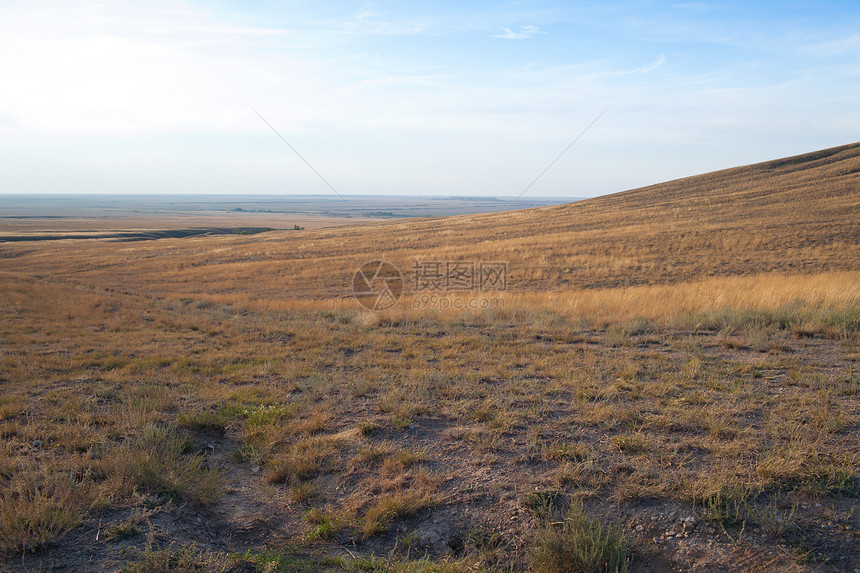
15 207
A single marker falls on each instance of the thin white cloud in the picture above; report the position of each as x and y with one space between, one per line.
649 67
702 6
216 30
233 30
524 33
835 47
367 22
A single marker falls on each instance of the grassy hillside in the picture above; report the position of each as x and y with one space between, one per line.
669 382
798 215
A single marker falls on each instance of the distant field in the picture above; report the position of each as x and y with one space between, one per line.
73 216
667 379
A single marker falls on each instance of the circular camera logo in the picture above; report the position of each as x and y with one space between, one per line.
377 285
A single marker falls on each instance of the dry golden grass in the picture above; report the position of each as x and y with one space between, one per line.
692 347
794 216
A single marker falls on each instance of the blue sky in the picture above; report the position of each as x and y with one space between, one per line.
414 98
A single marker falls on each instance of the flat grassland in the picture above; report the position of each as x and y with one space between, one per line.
667 380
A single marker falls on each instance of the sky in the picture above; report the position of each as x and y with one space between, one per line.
445 98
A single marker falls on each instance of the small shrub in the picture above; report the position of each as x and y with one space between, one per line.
579 544
544 504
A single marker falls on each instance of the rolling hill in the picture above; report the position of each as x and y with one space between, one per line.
795 215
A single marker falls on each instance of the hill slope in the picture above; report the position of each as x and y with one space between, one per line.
794 215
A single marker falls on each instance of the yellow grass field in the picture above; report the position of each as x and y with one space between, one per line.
668 380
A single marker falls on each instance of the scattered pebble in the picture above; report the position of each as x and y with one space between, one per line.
690 524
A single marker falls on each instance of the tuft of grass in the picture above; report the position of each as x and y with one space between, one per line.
267 415
544 504
368 427
578 543
127 528
160 461
207 421
304 459
325 524
122 530
38 506
313 424
185 559
630 443
390 507
303 492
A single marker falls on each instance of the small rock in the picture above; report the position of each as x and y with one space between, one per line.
37 443
430 537
255 469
